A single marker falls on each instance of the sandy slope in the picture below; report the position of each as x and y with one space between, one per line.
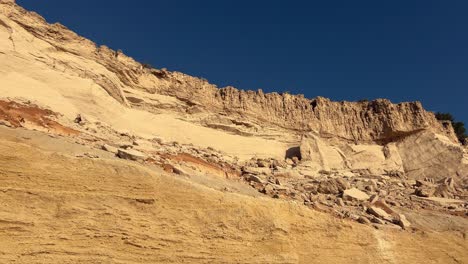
56 208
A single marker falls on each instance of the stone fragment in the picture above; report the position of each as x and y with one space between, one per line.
279 164
110 148
287 173
281 188
80 119
396 173
402 221
256 171
443 191
378 212
305 197
131 154
377 220
295 160
5 123
384 206
387 227
87 155
370 188
268 189
425 191
332 186
364 220
374 198
125 144
278 182
340 202
254 178
450 182
355 194
146 200
383 193
178 170
263 163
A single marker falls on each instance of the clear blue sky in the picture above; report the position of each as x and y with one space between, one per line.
344 50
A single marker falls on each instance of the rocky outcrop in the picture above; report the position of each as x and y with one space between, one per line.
420 155
427 154
321 154
335 135
378 120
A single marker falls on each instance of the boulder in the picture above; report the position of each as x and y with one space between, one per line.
277 164
384 206
125 144
268 189
425 191
311 188
378 212
364 220
256 171
80 119
355 194
178 170
374 198
110 148
332 186
449 182
340 202
402 221
443 191
5 123
425 188
263 163
287 173
131 154
377 220
254 178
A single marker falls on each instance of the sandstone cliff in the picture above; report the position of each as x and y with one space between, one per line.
105 160
379 120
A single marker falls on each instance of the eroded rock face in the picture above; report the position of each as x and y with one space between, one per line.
338 135
321 154
379 120
347 159
426 154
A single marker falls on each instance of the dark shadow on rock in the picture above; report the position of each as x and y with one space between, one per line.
293 152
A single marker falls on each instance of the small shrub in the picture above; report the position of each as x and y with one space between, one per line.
458 127
147 66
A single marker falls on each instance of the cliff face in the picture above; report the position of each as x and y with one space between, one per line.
199 158
379 120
